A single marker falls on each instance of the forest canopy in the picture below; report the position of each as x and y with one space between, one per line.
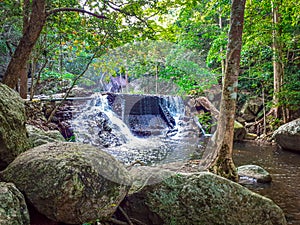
182 41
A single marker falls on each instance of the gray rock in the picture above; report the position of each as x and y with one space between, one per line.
251 108
288 135
13 209
13 135
239 131
253 173
69 182
199 198
39 137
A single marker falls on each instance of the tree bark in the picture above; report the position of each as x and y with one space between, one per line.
277 58
23 71
218 158
22 53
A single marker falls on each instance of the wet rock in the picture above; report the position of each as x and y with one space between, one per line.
250 136
251 109
39 137
288 135
13 209
253 174
69 182
13 135
199 198
239 131
80 92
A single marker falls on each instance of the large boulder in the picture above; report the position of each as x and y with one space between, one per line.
288 135
13 136
198 198
38 136
13 209
69 182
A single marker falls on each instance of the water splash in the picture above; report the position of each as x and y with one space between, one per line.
101 126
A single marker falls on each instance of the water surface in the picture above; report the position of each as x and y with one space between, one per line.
284 167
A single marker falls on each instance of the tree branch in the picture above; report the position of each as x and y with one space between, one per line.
53 11
70 89
118 9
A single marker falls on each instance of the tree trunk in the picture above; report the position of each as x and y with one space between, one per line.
221 48
23 71
221 146
277 58
18 63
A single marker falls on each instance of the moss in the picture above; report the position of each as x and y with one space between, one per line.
13 135
70 182
207 199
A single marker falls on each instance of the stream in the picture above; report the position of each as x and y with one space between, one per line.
158 129
284 167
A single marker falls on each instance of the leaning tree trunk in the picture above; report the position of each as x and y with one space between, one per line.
19 60
219 159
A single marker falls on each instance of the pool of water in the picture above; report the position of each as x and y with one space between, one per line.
284 167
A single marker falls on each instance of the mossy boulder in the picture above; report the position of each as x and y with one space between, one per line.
200 198
287 136
13 136
13 209
253 174
68 182
38 136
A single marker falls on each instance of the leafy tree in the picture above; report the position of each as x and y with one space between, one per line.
117 18
270 46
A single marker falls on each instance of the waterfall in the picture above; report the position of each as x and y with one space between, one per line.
152 129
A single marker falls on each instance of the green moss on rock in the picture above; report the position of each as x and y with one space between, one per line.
13 135
204 198
70 182
13 209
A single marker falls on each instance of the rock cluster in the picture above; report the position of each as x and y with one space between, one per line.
69 182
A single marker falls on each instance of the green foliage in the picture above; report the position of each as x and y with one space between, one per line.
257 52
49 75
290 93
188 42
205 119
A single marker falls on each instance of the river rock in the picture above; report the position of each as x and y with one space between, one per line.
13 209
287 136
253 173
239 131
38 136
13 134
199 198
251 108
69 182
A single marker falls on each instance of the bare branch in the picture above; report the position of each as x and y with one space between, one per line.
53 11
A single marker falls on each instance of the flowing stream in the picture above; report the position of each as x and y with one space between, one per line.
284 167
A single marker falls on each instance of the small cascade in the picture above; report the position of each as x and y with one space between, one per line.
98 125
151 129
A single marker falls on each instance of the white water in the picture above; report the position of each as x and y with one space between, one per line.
129 148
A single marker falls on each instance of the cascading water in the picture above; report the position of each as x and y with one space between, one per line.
162 131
